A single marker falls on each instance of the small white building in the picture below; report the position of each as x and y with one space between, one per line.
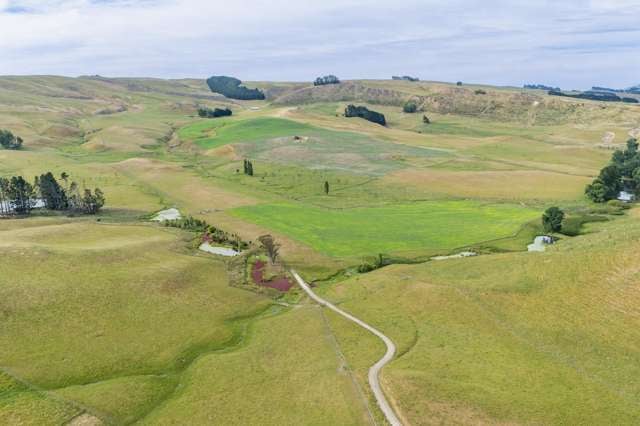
625 196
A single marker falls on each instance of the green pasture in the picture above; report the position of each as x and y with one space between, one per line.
101 308
273 139
212 133
421 226
543 338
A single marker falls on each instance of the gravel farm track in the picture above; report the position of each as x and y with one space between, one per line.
374 371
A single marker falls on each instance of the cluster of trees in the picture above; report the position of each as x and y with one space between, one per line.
232 88
248 168
405 78
410 107
18 196
214 113
210 233
595 96
622 173
364 112
552 219
541 87
9 141
327 79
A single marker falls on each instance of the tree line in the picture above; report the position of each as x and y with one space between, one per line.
19 196
364 112
327 79
405 78
9 141
232 88
205 112
621 174
595 96
209 233
541 87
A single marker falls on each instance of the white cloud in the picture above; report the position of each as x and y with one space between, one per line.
501 41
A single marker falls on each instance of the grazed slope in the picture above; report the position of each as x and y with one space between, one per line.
465 331
374 371
549 338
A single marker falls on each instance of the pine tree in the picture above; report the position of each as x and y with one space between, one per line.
52 193
20 195
4 200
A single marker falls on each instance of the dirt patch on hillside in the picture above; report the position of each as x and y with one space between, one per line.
85 419
279 283
608 138
226 151
349 91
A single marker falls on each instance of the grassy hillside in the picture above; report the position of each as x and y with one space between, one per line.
125 321
545 338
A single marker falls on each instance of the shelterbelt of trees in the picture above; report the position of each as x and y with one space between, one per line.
595 96
18 196
366 113
232 88
621 174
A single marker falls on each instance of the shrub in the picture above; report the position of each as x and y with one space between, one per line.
552 219
214 113
9 141
410 107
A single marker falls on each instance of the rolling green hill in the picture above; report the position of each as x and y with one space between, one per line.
118 320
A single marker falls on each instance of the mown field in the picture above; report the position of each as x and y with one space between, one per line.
428 226
125 322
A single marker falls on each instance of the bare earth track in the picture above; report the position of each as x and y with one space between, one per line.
374 371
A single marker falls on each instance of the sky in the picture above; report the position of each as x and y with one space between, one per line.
566 43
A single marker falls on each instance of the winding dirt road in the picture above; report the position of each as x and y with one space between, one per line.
374 371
